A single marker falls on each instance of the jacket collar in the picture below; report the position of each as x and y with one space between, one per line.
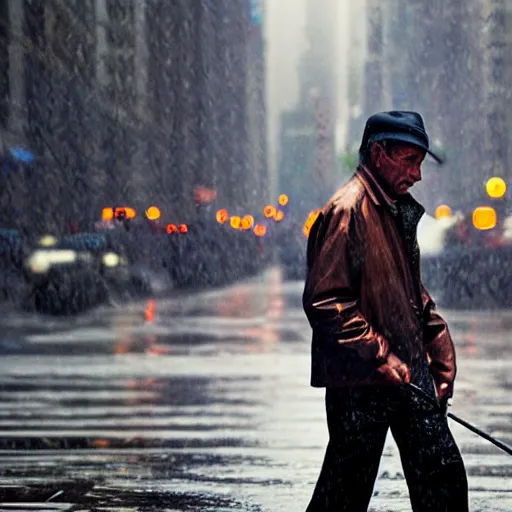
379 197
374 190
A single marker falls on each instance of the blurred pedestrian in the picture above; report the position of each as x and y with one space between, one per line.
376 329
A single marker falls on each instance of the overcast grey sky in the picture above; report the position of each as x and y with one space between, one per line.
284 34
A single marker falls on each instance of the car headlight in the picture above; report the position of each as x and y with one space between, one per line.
47 241
111 259
39 262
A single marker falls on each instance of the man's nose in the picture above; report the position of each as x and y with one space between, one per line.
416 173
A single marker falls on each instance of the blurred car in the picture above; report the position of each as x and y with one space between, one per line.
465 267
71 274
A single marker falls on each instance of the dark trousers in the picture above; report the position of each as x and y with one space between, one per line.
358 420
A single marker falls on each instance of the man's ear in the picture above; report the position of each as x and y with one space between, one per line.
376 150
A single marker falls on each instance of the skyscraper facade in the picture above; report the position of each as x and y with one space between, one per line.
125 102
307 162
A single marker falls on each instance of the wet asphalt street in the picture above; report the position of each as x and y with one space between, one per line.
202 402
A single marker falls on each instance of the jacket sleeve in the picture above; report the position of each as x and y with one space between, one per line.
330 298
438 342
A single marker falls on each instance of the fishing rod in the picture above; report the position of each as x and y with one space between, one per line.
464 423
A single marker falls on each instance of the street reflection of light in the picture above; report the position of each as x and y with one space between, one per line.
149 313
153 348
235 303
471 338
144 384
266 336
283 200
183 229
101 443
142 392
125 345
276 308
150 339
158 350
121 348
276 302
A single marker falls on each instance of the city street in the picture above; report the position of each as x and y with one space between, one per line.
202 402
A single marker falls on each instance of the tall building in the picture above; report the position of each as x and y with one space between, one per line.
374 81
318 66
356 55
208 101
257 177
307 163
496 42
4 64
429 57
70 109
130 102
508 80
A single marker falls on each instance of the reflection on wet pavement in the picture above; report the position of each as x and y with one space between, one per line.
202 402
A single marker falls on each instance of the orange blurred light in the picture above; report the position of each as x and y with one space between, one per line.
235 222
260 230
269 211
129 212
100 443
222 216
279 216
442 211
183 228
153 213
247 222
107 214
484 217
283 199
172 228
149 313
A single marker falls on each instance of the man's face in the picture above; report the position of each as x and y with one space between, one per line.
399 166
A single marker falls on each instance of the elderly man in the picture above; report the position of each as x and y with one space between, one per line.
375 330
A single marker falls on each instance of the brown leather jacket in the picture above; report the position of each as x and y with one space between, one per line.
363 294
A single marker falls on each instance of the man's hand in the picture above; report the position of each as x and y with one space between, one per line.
444 391
394 370
444 395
